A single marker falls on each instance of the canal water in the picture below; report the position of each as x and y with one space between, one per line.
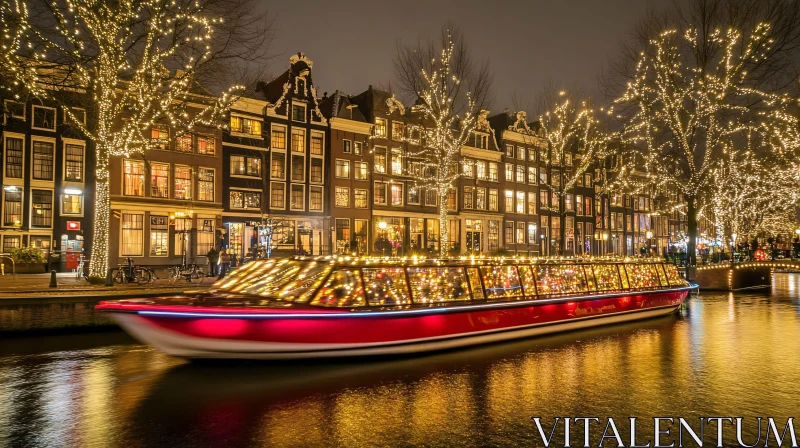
724 355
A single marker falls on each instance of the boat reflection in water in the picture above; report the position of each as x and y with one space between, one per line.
334 307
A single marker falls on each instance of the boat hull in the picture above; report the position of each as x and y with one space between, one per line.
246 334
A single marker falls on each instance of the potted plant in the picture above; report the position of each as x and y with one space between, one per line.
28 260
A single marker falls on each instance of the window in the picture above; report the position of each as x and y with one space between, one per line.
578 204
493 199
11 242
509 203
568 159
278 137
531 233
14 109
531 155
480 169
298 168
184 143
480 198
73 162
379 193
71 204
380 160
206 145
277 195
133 178
520 232
278 166
468 199
315 199
347 146
587 180
298 113
397 194
554 200
431 198
509 232
555 177
587 209
397 130
361 171
183 182
205 185
205 236
532 175
361 198
452 199
543 176
342 235
183 228
493 171
520 202
43 154
342 169
245 199
159 236
520 153
159 180
14 151
543 199
342 195
356 148
246 126
380 127
44 118
132 237
397 161
531 203
159 136
316 143
510 151
298 140
413 196
316 170
469 169
298 199
246 166
12 207
481 141
520 173
569 205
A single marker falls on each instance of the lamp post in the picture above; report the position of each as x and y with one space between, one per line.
649 236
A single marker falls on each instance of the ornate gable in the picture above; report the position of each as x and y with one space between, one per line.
299 86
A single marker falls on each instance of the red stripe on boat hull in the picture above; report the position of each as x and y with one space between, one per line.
292 337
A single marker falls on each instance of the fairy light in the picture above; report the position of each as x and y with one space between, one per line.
129 85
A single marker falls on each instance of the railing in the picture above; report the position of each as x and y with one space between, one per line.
13 264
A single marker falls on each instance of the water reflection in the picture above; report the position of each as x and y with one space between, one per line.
726 355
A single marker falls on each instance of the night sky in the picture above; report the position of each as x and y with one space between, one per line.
528 43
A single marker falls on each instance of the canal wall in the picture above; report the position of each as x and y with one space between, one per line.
52 315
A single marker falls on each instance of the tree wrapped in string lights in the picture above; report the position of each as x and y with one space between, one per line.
449 90
576 140
693 94
138 63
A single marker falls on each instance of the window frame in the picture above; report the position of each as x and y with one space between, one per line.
73 142
33 117
122 233
339 189
6 178
302 206
343 163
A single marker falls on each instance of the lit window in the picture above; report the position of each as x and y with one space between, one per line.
206 145
315 199
277 195
14 149
468 199
493 199
520 202
480 198
205 185
317 143
160 136
133 178
278 137
380 160
380 127
316 170
509 172
361 171
342 197
397 130
342 169
246 126
298 140
71 204
509 195
520 173
73 162
184 143
278 166
480 169
159 236
298 197
493 171
159 180
397 161
43 154
132 238
183 182
397 194
41 208
361 199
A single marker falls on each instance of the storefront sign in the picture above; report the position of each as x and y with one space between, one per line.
73 225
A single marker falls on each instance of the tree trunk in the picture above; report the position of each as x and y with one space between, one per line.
691 216
562 215
98 264
444 239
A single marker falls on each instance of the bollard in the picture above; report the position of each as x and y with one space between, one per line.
2 268
53 281
109 278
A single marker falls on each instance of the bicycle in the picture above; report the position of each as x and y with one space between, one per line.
130 273
191 273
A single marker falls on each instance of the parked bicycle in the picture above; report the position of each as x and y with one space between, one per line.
131 273
192 273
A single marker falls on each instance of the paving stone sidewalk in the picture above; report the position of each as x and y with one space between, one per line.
38 285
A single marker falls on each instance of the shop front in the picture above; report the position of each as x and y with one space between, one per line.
416 235
250 239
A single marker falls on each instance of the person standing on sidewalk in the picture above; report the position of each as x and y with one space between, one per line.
225 263
213 259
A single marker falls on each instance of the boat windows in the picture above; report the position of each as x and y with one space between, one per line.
386 286
501 282
661 277
641 276
607 276
342 289
528 283
475 284
273 280
433 285
307 281
244 276
623 277
554 279
674 277
591 284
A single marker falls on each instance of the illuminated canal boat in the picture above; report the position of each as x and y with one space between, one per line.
334 307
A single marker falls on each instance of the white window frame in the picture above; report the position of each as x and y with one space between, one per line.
213 183
21 210
33 118
284 196
402 194
304 106
344 146
16 181
65 118
303 205
42 182
121 221
336 169
52 208
146 183
310 136
61 205
70 141
385 194
286 137
335 204
322 198
271 154
24 115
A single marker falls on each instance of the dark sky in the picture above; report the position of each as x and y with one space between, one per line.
528 43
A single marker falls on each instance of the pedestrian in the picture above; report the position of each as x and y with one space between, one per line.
213 259
234 260
224 263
